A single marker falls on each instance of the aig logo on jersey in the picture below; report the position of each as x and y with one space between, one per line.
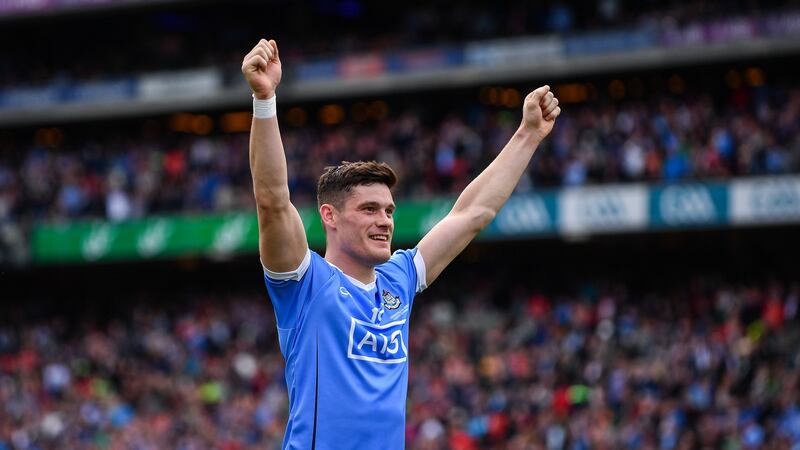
390 301
377 343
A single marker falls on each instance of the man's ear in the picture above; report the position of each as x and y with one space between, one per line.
328 214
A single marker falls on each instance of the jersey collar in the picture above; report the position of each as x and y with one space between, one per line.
366 287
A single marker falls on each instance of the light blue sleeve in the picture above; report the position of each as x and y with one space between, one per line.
290 292
407 267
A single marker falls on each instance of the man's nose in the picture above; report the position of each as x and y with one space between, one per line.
384 219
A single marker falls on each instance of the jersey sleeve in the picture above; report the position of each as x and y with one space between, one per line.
291 291
410 265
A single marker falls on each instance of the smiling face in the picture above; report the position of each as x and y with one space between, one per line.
362 229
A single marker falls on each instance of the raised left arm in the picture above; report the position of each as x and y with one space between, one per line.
480 201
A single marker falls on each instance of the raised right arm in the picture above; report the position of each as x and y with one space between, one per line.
282 238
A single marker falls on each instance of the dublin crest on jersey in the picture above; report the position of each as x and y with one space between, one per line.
390 301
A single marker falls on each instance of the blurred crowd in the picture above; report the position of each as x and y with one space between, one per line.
663 138
211 34
709 365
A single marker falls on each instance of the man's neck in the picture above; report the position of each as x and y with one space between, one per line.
351 267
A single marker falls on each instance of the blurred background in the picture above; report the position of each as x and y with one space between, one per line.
639 291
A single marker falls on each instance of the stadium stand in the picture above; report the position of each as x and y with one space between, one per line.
174 35
674 326
125 172
540 356
176 64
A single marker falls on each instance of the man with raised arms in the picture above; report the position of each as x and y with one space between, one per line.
343 319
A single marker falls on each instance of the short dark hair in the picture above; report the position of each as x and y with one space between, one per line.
337 181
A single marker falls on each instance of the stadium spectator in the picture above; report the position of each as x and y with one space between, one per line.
661 139
167 38
599 367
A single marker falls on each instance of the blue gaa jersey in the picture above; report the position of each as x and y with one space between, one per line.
346 350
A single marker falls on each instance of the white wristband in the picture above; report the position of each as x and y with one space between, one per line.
264 109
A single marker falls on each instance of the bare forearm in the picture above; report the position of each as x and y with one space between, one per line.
492 188
483 198
282 238
268 162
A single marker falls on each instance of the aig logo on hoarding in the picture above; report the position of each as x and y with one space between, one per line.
377 343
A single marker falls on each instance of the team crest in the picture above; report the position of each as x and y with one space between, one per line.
390 301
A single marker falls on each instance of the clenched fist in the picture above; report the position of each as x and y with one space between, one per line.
540 111
262 69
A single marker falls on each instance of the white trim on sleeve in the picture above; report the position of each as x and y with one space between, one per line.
295 275
422 273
